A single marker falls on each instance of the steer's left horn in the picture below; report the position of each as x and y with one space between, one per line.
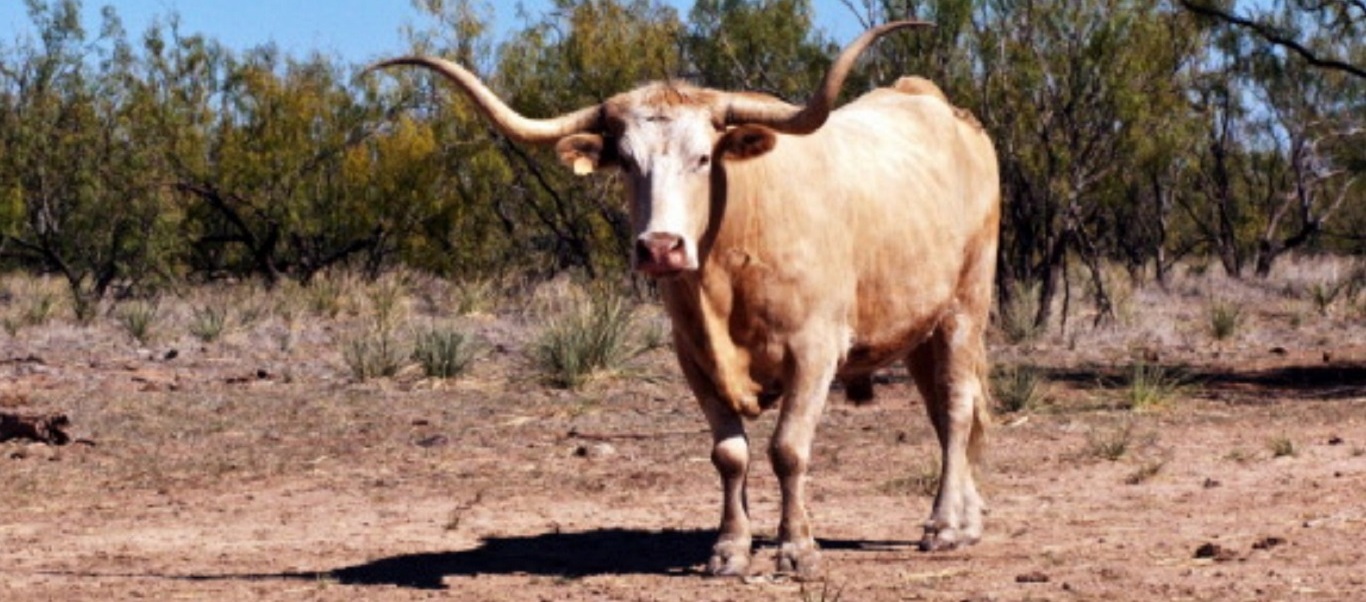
781 116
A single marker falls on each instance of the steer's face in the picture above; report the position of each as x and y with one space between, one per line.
662 139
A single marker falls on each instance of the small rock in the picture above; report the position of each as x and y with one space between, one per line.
1335 440
1211 483
1032 577
170 355
597 450
1266 543
1215 552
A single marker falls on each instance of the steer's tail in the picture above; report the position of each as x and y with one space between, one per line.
981 415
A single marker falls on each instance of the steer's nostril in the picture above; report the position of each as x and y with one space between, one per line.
659 252
643 254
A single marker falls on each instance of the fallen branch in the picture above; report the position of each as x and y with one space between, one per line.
49 428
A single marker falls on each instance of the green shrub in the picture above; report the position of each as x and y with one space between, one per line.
374 354
138 318
592 335
444 352
207 322
1151 386
1224 319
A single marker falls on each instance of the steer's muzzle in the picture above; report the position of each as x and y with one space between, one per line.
661 254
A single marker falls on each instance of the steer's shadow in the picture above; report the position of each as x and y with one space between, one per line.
606 551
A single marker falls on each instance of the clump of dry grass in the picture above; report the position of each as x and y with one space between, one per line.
28 302
1119 441
1016 319
1146 471
592 336
1224 318
922 480
1110 444
378 350
1282 447
1152 386
139 318
330 294
1016 388
445 352
210 320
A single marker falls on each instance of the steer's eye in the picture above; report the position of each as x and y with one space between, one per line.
702 162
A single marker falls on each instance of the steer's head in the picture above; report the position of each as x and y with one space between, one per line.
665 138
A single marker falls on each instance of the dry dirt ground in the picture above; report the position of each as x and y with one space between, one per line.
256 467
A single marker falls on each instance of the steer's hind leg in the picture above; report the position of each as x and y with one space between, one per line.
730 456
813 371
948 370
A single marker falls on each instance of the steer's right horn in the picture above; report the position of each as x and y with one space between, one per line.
508 121
783 117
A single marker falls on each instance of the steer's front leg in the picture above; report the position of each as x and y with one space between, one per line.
730 456
790 454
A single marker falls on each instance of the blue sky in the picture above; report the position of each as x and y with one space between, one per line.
356 30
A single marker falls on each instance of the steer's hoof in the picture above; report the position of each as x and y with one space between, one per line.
943 539
729 559
801 561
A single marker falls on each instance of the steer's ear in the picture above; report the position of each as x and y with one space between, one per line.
584 153
746 142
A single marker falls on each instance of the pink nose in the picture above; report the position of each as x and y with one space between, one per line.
660 254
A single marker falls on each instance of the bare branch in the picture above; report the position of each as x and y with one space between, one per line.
1274 36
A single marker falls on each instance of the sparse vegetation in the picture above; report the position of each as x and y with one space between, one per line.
475 296
138 318
1224 319
1282 447
1239 455
33 304
1016 387
209 321
1145 472
326 294
1119 441
1017 317
444 352
592 336
1110 443
374 353
378 351
922 480
1152 386
1323 294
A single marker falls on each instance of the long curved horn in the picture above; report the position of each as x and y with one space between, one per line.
510 122
784 117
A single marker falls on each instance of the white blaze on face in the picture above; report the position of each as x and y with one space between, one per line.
667 156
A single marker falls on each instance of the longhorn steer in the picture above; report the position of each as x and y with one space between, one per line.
797 245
